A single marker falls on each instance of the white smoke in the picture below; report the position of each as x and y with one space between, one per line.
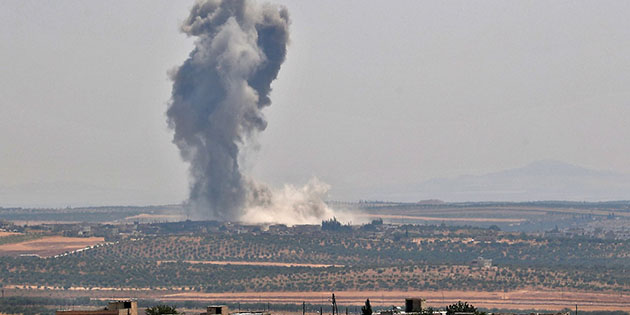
291 205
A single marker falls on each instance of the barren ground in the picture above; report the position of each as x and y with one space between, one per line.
156 217
48 246
5 233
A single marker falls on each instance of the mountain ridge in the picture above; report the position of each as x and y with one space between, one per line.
538 180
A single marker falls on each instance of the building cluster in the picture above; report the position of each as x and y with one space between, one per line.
124 307
612 227
130 307
224 310
481 262
413 306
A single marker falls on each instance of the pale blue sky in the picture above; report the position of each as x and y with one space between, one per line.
373 94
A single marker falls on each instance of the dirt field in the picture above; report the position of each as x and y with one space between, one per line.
5 233
48 246
40 222
249 263
156 217
515 210
415 217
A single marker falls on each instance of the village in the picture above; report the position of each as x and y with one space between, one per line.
411 306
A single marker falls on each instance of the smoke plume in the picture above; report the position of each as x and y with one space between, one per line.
289 205
215 111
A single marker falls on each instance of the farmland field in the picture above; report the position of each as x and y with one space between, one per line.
212 261
48 246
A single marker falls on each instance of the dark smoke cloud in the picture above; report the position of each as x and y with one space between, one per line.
218 94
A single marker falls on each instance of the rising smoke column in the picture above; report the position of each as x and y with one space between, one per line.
218 94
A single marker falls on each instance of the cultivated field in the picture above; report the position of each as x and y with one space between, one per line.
249 263
48 246
440 219
490 211
5 233
211 262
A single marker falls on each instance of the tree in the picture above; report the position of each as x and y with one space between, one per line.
462 307
161 310
367 308
335 226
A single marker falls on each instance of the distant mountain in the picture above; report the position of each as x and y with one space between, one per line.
540 180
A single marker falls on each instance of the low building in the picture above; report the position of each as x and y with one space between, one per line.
413 305
223 310
481 262
123 307
216 310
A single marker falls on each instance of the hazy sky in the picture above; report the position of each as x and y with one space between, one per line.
372 94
